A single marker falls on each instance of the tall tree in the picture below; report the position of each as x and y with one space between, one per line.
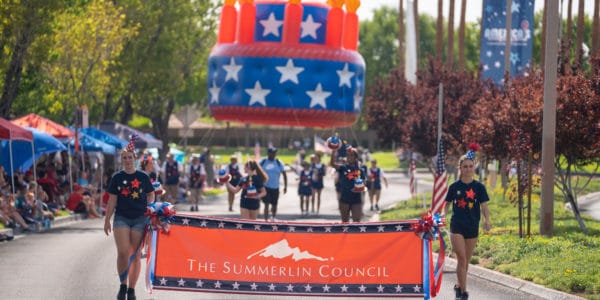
22 22
579 37
86 43
166 62
401 38
461 36
596 28
450 55
440 31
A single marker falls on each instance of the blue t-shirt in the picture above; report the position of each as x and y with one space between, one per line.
131 190
273 168
466 201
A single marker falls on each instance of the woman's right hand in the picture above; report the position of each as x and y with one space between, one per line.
107 227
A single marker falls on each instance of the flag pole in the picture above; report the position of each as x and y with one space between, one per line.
440 112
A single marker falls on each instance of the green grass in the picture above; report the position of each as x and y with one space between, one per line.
569 261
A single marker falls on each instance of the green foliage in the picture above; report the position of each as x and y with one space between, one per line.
567 261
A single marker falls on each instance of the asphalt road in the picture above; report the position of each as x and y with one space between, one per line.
78 261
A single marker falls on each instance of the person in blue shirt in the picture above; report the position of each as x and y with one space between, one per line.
274 169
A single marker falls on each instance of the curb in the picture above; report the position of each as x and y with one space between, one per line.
57 223
503 279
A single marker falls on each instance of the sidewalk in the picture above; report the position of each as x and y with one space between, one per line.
57 223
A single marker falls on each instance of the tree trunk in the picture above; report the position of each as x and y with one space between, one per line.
579 38
440 31
15 70
401 39
596 28
450 58
461 36
576 212
544 28
416 17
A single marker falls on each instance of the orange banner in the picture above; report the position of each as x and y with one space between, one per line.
241 256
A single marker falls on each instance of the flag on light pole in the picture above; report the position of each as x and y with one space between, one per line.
257 151
440 182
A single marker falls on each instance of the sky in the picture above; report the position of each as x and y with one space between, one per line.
473 8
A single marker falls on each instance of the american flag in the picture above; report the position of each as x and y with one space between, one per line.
413 187
440 182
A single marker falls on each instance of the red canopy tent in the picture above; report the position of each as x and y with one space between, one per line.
46 125
10 132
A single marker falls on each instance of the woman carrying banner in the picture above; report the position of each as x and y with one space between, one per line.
130 191
350 173
469 199
253 189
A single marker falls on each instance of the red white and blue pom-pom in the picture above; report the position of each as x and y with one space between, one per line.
333 142
223 176
359 185
473 147
161 214
428 227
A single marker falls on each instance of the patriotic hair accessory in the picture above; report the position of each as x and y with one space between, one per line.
132 139
473 147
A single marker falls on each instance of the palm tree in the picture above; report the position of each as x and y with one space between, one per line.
596 28
461 36
450 57
579 38
401 39
440 30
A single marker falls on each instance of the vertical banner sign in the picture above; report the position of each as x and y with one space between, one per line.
493 38
205 254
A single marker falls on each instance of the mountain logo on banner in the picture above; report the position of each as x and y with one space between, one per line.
282 250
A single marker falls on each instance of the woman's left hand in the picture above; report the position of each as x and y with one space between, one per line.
487 225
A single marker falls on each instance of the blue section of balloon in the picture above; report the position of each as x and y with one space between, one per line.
317 74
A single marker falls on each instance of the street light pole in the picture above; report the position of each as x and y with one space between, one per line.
549 119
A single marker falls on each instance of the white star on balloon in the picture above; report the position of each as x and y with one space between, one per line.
232 70
357 100
271 25
257 94
497 64
486 67
309 27
214 93
318 96
488 53
345 76
515 8
289 72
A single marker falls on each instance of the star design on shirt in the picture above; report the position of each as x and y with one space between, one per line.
135 183
461 203
232 70
470 194
345 75
271 25
309 27
135 195
471 205
214 93
258 94
289 72
318 96
125 192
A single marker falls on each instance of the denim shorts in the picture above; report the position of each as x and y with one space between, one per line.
137 224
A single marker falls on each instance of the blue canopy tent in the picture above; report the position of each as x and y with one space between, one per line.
124 132
105 137
90 144
23 155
